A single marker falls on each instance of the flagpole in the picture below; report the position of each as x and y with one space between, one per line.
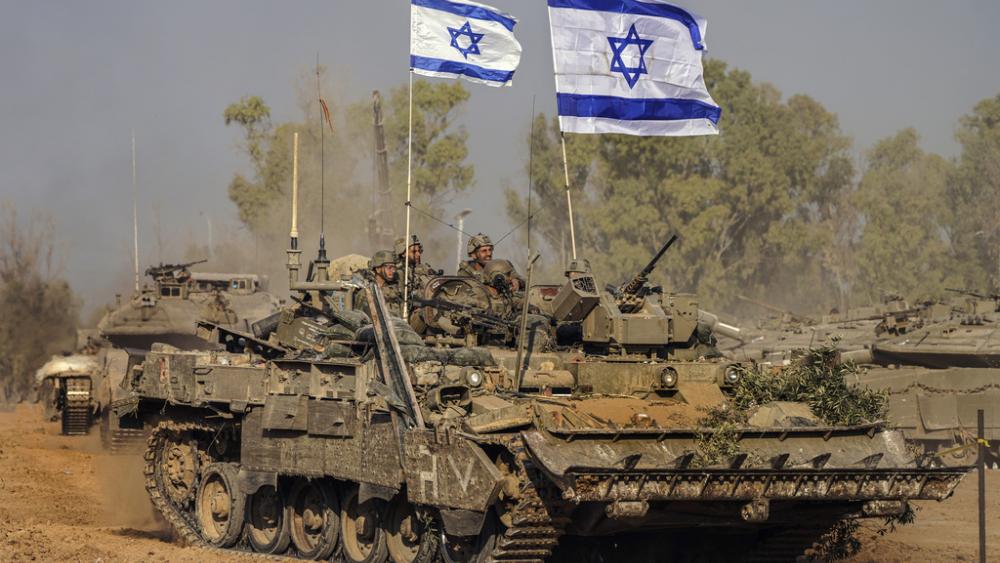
409 186
562 140
569 197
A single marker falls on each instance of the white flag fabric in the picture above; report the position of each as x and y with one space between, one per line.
624 66
463 39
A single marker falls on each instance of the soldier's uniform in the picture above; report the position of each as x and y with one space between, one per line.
419 273
473 268
391 292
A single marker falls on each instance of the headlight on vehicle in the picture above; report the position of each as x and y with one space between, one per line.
474 378
732 375
668 378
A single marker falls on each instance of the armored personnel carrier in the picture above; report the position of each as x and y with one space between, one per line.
167 311
327 430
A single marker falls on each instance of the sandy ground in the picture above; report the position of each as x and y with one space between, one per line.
63 499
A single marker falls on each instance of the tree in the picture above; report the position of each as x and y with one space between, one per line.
973 193
440 151
38 310
901 199
550 219
754 206
439 167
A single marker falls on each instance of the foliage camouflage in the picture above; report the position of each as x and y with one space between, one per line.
817 379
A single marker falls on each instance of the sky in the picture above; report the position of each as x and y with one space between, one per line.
77 77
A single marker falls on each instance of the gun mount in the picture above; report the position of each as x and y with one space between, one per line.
630 294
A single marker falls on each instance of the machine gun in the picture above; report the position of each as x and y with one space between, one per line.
630 294
172 271
476 317
974 293
995 297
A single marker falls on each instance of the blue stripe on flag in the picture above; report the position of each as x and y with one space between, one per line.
441 65
636 8
467 10
635 109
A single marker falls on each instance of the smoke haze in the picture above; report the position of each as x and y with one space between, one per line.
77 77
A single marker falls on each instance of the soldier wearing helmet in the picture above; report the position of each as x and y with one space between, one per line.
480 251
382 270
419 271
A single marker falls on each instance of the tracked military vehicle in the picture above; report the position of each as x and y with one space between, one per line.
333 431
68 386
939 374
167 311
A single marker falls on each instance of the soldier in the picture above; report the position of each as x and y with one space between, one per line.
480 251
382 268
419 271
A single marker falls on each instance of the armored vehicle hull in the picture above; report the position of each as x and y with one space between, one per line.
309 457
937 407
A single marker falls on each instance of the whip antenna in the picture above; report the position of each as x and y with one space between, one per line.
322 168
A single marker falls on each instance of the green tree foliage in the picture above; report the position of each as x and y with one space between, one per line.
548 177
762 198
973 197
901 199
439 146
439 167
38 310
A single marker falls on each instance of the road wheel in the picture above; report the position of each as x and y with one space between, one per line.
267 527
313 518
220 505
410 536
361 530
471 549
178 468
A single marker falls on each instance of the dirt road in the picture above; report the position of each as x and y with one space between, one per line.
63 499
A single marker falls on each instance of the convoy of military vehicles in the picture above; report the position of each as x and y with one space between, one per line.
417 416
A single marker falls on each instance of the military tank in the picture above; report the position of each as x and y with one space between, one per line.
333 431
780 336
167 311
939 374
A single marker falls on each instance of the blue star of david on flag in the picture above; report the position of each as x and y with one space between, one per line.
474 39
618 45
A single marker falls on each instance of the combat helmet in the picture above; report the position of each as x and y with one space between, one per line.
477 242
400 249
381 258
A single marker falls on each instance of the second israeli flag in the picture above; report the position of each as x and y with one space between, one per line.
624 66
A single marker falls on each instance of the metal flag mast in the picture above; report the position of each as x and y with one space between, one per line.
562 141
409 186
322 170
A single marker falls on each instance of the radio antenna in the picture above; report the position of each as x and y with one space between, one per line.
322 169
135 218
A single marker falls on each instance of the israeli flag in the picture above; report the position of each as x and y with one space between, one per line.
463 39
624 66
